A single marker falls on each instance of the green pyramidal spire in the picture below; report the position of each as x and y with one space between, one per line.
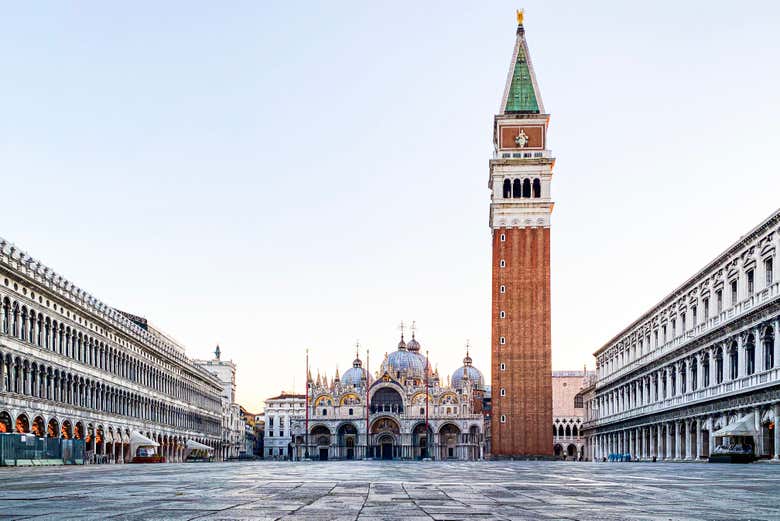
521 95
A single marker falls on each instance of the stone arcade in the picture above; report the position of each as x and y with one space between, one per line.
703 358
74 367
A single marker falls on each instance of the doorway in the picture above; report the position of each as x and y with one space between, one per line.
387 450
323 454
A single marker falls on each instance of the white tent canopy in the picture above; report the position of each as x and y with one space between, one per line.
194 445
139 440
742 427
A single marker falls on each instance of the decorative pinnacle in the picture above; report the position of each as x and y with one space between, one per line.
519 13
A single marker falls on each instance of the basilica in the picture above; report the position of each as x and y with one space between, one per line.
403 411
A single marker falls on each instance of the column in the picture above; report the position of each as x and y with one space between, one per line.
759 448
668 451
713 367
688 444
741 365
776 411
658 443
700 370
677 449
677 368
699 439
637 441
776 331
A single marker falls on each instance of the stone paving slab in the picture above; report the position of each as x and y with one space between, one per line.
378 491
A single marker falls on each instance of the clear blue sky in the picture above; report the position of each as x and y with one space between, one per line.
270 176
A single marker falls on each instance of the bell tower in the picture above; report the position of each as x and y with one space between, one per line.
520 209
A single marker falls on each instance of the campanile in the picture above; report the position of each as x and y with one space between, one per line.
520 208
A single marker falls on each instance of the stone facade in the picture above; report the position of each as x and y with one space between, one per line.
705 357
520 177
390 416
569 413
73 367
233 442
279 414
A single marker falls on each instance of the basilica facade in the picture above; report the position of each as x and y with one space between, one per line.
73 367
404 411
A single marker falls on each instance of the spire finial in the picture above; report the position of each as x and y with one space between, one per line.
519 13
402 327
217 352
357 349
414 327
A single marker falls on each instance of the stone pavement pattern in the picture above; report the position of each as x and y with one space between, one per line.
374 491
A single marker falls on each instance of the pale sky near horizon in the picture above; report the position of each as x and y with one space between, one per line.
273 177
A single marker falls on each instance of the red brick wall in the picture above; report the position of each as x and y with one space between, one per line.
527 354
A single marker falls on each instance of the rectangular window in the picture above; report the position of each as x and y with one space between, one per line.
683 322
719 300
502 263
503 392
656 337
503 366
502 314
663 334
750 282
706 309
503 237
502 289
734 292
768 267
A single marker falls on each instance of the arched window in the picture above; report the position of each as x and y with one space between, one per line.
574 431
507 188
527 188
568 431
537 188
560 430
750 352
517 188
769 356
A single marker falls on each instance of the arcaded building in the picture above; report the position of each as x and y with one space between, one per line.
569 413
403 412
520 210
73 367
704 358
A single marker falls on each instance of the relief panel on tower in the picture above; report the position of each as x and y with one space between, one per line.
526 136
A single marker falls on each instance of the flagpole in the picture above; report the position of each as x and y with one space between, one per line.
306 452
427 427
368 410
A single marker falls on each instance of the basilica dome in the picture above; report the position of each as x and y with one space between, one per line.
467 370
355 375
404 361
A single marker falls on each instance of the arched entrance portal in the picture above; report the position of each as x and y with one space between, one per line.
22 424
421 441
53 430
448 440
5 422
347 436
38 427
385 433
321 437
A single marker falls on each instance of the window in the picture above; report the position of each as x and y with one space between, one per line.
502 263
750 281
502 366
734 292
351 412
503 418
324 412
693 316
503 237
683 320
578 402
706 309
537 188
527 188
281 452
733 364
502 340
270 452
507 188
502 289
674 328
517 189
656 337
663 332
422 410
502 314
768 267
719 300
503 392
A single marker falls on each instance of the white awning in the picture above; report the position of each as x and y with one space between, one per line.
194 445
138 439
743 427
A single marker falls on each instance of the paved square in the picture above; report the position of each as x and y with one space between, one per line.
369 490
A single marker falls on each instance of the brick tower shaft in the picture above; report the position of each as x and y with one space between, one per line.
520 209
